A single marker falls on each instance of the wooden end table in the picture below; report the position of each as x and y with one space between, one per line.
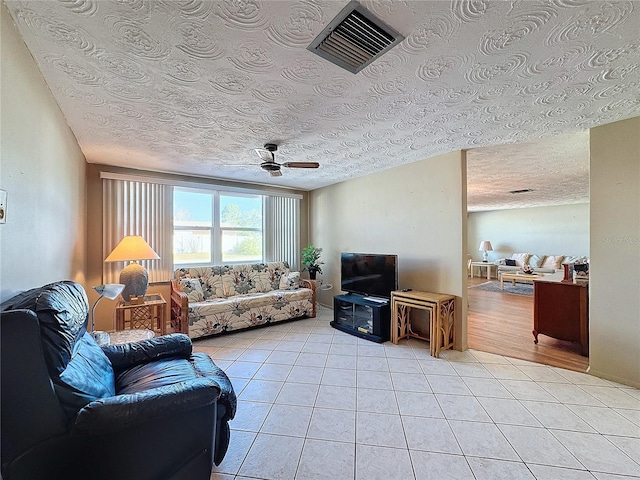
149 315
487 265
441 311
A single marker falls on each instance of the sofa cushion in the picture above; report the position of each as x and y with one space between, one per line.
254 278
553 261
211 279
193 288
510 262
290 281
520 258
242 280
536 260
575 259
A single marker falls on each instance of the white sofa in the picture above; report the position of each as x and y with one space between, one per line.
539 263
211 300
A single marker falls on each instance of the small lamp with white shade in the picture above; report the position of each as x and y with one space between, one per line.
485 246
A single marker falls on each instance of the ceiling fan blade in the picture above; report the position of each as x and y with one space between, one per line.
265 155
276 173
301 164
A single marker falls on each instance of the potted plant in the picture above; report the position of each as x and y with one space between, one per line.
310 260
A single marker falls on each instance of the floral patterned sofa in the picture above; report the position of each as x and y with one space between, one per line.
211 300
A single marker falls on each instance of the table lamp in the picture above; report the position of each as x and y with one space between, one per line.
485 246
109 290
134 276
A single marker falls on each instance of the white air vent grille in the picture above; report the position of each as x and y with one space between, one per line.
354 39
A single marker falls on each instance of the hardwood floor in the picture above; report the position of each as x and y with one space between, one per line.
501 323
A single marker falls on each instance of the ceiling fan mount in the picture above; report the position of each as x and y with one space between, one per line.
271 147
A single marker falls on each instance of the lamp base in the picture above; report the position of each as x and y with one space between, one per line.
135 279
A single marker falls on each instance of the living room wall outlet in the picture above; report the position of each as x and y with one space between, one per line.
3 206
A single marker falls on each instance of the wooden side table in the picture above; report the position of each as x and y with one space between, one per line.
441 311
148 315
487 265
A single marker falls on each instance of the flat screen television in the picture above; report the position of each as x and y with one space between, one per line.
369 274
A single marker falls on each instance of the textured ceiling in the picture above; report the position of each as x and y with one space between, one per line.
191 86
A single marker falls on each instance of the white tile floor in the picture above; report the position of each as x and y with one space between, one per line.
316 403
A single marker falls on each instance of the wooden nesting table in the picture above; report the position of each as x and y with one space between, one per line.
441 310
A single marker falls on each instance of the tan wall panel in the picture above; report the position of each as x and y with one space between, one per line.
417 211
614 284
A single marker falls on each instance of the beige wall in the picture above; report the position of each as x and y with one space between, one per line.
560 230
615 252
417 211
43 171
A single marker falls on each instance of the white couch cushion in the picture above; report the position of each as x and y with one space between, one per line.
520 258
536 260
553 261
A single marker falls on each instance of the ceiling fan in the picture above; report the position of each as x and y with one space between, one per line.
269 164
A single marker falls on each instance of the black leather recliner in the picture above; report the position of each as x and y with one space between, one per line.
73 410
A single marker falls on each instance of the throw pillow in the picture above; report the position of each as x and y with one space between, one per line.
520 258
575 259
291 281
87 377
553 261
536 261
193 288
509 262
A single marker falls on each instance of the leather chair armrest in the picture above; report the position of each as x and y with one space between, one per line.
129 355
121 412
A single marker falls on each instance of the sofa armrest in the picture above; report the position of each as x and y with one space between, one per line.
121 412
179 309
129 355
312 285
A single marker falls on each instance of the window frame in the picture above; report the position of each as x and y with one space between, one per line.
216 229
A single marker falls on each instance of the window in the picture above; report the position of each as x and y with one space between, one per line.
241 228
212 227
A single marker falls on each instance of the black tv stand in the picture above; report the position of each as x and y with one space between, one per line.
365 318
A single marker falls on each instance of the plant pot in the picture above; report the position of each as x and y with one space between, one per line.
312 275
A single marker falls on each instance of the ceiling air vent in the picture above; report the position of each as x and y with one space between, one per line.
354 39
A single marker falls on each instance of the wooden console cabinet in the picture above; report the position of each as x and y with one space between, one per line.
561 310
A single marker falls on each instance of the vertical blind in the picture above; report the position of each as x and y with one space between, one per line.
138 208
282 230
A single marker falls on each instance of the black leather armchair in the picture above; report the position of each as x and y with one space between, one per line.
71 409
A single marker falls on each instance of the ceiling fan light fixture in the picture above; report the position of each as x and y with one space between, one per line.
354 38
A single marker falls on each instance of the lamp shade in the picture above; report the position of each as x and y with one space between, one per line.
132 247
109 290
485 246
134 276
